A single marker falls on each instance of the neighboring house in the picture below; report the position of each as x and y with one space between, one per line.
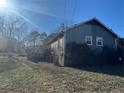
92 32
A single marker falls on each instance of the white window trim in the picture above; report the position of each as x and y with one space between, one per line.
90 38
97 38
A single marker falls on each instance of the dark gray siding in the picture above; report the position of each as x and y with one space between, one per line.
78 34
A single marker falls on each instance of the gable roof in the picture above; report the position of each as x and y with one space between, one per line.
80 24
96 20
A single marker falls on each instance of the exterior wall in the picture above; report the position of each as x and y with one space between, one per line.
54 45
58 48
108 39
61 43
57 45
78 35
61 53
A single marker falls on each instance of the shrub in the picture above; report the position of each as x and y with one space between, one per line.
81 54
78 54
38 55
109 55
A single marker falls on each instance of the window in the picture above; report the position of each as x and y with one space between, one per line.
99 41
88 40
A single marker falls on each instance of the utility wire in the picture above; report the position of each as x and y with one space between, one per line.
65 11
74 11
69 11
65 6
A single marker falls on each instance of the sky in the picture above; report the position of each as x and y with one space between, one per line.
48 15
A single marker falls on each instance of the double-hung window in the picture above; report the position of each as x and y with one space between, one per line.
88 40
99 41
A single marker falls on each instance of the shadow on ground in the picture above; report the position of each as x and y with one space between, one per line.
117 70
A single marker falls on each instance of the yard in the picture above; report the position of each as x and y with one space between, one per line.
22 76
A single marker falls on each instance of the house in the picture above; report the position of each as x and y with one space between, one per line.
92 32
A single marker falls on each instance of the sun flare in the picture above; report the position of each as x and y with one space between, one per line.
2 3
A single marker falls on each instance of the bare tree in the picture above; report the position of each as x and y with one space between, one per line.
36 38
13 28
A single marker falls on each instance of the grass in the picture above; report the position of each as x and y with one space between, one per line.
22 76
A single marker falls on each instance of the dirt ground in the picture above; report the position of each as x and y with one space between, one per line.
22 76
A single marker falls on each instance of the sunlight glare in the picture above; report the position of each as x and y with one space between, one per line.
2 3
